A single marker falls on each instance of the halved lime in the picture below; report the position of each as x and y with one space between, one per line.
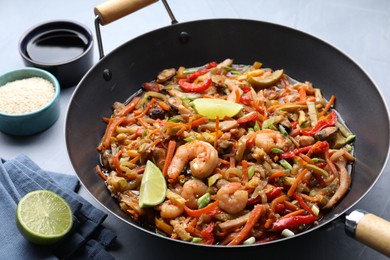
153 186
213 107
43 217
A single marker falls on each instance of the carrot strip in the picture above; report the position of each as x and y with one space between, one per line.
245 176
256 213
155 142
112 124
171 123
147 108
328 106
115 161
170 153
306 158
276 175
216 131
199 212
181 131
101 174
309 198
257 107
224 161
135 159
294 213
302 94
303 204
130 107
268 223
193 231
164 105
154 131
143 123
276 201
199 121
291 206
251 139
297 181
238 95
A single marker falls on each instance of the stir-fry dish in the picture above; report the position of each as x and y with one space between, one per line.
226 154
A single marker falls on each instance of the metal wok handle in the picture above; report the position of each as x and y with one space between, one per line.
112 10
369 229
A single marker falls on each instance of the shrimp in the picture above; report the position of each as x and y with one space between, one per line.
170 209
192 190
268 139
232 198
203 159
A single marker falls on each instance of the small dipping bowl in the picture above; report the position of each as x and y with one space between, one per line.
64 48
30 123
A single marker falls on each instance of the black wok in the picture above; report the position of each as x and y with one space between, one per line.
303 57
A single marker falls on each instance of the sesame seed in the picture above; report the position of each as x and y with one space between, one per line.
25 95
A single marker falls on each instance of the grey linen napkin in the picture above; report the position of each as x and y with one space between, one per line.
89 239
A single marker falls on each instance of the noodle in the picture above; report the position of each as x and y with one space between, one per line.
277 164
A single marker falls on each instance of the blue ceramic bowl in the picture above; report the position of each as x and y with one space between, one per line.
36 121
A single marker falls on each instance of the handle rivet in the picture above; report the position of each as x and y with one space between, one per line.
184 37
107 75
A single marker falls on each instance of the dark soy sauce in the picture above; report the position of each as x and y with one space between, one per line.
56 46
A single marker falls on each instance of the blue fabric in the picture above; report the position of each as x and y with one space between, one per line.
89 239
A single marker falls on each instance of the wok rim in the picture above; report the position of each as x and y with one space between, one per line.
334 218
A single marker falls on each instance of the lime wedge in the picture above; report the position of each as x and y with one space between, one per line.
43 217
266 81
212 107
153 186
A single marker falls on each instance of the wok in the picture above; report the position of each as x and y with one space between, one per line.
303 57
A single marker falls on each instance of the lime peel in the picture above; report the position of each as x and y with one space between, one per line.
153 186
43 217
213 108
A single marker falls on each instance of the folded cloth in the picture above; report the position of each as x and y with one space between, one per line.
88 239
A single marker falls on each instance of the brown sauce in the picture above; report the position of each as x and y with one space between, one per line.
56 46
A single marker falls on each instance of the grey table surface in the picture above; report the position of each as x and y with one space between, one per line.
360 29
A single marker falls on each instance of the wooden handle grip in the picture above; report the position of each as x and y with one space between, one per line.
112 10
375 233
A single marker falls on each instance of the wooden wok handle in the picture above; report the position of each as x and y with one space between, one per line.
112 10
369 229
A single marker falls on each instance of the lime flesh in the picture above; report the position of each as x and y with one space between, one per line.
153 186
43 217
212 107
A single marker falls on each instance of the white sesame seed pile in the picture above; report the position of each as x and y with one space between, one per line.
25 95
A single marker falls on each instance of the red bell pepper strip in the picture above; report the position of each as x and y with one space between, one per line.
315 148
193 87
272 194
191 77
246 98
210 65
207 234
252 116
275 192
321 124
293 222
